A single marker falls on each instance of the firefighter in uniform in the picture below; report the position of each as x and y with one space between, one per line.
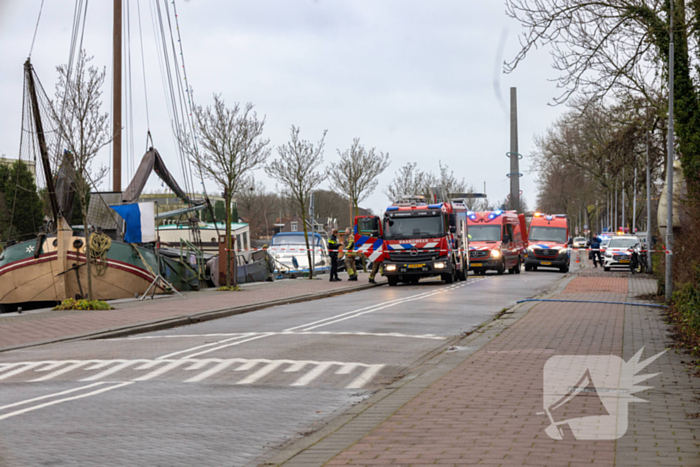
333 246
375 269
348 247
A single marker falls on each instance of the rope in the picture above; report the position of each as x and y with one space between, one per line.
143 260
99 244
36 28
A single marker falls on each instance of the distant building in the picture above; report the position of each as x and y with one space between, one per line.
31 165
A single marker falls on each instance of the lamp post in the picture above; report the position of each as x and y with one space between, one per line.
669 168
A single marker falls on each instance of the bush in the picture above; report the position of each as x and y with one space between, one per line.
230 288
72 304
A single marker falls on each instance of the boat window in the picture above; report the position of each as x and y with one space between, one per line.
294 240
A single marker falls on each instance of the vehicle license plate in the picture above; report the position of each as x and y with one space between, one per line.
476 265
624 261
546 263
415 266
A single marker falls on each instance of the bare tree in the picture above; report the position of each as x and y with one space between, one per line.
256 205
83 130
229 145
355 174
408 180
448 182
296 170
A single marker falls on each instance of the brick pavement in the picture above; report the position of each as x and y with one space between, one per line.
18 330
489 409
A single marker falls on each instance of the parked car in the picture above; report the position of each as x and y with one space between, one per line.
617 253
289 254
580 242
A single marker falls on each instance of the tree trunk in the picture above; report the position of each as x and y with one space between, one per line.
306 237
87 251
227 197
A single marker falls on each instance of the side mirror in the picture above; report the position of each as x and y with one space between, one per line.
506 238
453 229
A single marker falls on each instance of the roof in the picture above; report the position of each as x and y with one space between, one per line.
289 234
204 225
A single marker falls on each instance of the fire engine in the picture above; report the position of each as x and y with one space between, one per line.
497 241
415 239
549 242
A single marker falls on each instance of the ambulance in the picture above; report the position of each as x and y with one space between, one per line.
497 241
549 243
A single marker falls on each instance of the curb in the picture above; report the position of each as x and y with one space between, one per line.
177 321
357 422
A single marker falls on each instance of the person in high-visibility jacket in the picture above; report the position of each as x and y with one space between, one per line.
333 246
348 248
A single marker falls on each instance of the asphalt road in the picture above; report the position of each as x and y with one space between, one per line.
231 391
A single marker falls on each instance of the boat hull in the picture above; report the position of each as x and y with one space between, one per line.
59 271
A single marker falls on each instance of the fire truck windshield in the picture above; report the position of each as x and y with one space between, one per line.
397 228
548 234
484 233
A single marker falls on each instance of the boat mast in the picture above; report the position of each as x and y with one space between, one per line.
117 97
39 127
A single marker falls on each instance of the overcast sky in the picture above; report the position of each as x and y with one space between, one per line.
414 78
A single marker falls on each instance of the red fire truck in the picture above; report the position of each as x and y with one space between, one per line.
415 240
497 241
549 242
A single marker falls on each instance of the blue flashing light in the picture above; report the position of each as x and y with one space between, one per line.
435 206
495 214
550 217
392 208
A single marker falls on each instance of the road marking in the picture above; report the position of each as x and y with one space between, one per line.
67 399
221 366
22 368
312 375
49 396
206 368
237 336
283 333
365 377
261 373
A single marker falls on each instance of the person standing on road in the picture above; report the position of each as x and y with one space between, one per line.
348 247
333 246
595 250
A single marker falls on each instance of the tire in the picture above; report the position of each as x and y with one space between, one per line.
518 266
533 268
528 268
606 269
393 280
462 275
501 268
564 269
448 278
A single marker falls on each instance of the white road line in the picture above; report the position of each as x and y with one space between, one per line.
355 311
292 333
313 374
162 370
227 345
22 368
295 367
365 377
346 369
67 399
65 369
261 373
211 371
210 344
49 396
249 365
110 371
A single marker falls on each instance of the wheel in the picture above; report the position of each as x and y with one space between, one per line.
393 280
528 268
462 274
533 268
606 269
448 278
518 266
564 269
502 267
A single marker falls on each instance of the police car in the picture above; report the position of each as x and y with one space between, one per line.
617 253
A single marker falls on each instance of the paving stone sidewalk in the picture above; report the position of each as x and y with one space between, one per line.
17 330
489 409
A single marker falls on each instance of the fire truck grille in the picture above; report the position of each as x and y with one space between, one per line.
546 252
417 257
479 253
